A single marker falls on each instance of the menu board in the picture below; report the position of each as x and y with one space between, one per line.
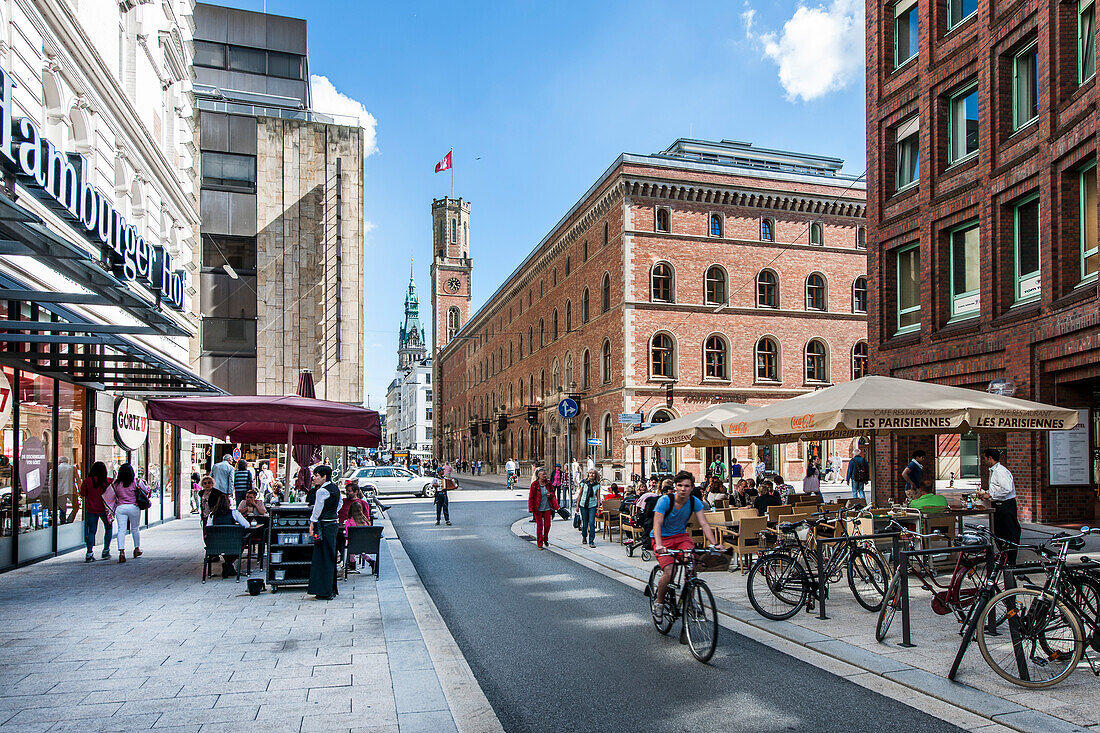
1068 453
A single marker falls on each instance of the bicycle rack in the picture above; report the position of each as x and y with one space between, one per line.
820 561
903 568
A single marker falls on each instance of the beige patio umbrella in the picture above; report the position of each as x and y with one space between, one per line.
697 429
873 406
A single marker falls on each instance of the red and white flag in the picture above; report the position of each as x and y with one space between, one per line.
444 164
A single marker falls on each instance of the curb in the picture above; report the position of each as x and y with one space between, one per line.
990 708
469 707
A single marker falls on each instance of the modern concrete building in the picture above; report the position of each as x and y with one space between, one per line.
982 152
281 200
707 271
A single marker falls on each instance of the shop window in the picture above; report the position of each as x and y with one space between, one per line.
7 458
1086 40
767 360
965 270
907 153
662 352
37 510
907 267
859 295
767 289
960 10
715 285
816 362
714 358
1025 91
1025 218
962 124
859 360
229 171
1088 223
815 293
70 465
661 281
906 31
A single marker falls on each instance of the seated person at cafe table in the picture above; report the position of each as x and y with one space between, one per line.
929 501
740 497
251 505
222 512
766 499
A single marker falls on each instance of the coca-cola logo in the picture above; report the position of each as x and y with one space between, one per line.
737 428
802 422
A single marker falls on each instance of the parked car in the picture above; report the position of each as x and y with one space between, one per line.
390 480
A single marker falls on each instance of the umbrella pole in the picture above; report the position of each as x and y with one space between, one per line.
874 471
289 445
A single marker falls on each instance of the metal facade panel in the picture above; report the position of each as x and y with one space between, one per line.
246 29
242 214
224 297
286 34
214 209
214 131
210 22
242 135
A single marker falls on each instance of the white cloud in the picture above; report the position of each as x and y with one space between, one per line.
327 99
820 49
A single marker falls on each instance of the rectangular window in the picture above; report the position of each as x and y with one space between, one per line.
1026 237
907 153
228 170
209 54
1086 40
1088 223
965 271
959 10
962 130
906 31
251 60
284 65
908 286
229 336
1025 100
237 252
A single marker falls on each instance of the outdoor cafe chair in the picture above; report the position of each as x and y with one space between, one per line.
363 541
775 512
748 539
608 516
222 540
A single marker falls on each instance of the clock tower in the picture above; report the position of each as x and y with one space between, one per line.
451 268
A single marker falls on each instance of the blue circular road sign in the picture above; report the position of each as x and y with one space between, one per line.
567 408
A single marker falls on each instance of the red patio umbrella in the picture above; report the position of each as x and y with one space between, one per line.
305 454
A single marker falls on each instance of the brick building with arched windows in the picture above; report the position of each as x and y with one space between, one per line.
705 272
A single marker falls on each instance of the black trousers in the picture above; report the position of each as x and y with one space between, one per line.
442 506
322 573
1006 524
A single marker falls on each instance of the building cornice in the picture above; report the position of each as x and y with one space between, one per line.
755 198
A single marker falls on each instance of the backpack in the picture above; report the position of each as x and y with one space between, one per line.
862 471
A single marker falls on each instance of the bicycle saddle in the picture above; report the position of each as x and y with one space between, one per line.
969 539
788 526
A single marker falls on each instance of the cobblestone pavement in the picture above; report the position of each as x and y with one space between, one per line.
144 645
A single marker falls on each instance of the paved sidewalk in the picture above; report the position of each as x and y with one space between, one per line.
145 645
848 635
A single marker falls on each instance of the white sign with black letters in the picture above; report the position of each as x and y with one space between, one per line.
131 423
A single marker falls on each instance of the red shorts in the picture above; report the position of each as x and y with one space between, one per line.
674 542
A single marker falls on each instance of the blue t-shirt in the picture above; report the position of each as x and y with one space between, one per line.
676 521
915 472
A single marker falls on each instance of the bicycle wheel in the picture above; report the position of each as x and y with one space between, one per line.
664 622
1044 641
777 587
891 603
700 619
868 578
1086 599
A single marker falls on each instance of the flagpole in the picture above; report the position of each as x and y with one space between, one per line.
452 173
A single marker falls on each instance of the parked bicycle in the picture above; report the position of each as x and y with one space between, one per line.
695 604
787 577
1049 628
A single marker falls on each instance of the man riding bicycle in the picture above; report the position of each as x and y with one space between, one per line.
670 520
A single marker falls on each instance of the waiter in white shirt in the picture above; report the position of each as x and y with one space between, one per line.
1002 494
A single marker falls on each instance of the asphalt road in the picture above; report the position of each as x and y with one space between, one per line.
558 647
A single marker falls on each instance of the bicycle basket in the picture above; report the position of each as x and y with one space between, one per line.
802 532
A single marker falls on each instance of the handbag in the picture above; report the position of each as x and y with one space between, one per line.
577 520
141 499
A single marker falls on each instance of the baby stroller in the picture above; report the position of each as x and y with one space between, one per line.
641 517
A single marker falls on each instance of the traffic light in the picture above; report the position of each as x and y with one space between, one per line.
533 415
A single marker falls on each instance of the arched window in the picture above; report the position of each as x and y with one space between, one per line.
554 326
817 233
454 230
859 360
511 397
606 233
569 372
466 237
767 230
568 316
584 306
511 353
584 251
452 322
661 353
663 220
767 289
442 231
815 293
555 376
861 237
607 435
586 369
542 383
661 283
522 392
767 360
554 278
859 295
567 267
714 358
587 435
716 225
530 340
816 370
531 388
605 363
542 333
715 285
605 293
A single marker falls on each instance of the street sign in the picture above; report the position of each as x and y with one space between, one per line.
237 453
629 418
595 441
647 425
567 408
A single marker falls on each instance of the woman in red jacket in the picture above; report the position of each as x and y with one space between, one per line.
542 502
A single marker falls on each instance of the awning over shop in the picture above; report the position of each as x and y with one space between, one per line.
698 429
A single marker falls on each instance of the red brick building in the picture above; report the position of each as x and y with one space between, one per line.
705 272
981 147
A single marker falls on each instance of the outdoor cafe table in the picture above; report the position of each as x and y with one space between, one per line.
959 513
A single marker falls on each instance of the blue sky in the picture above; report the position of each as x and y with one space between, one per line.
537 100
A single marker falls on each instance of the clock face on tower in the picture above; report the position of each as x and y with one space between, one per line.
452 285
